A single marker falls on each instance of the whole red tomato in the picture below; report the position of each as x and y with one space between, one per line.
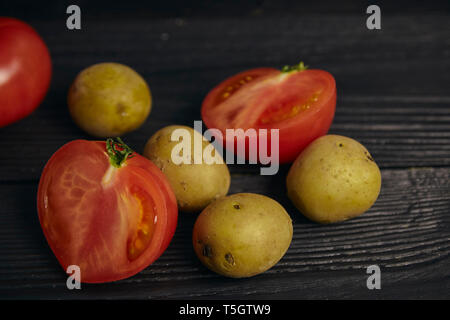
25 70
298 101
105 209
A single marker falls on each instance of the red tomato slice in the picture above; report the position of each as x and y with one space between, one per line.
300 103
25 70
110 221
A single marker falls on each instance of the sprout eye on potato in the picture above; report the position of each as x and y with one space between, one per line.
195 185
242 235
334 179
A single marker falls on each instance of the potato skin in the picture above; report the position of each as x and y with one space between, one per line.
195 185
334 179
242 235
109 100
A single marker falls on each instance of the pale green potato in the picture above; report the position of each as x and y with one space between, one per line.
334 179
242 235
109 100
195 185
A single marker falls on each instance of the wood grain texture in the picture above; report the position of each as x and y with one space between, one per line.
393 96
406 233
392 85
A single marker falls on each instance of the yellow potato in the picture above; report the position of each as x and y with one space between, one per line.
334 179
109 100
195 185
242 235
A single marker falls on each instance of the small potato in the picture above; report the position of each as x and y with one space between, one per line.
334 179
242 235
109 100
195 185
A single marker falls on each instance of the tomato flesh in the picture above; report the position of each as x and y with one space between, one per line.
229 87
111 222
301 104
141 237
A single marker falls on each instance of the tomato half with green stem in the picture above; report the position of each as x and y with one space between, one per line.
106 209
298 101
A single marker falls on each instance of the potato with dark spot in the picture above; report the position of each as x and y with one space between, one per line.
242 235
109 100
195 184
334 179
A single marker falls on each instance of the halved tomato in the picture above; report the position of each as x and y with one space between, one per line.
105 209
298 101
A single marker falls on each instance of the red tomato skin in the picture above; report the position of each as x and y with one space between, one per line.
87 220
294 133
25 70
289 144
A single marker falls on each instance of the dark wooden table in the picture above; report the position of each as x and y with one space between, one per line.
393 96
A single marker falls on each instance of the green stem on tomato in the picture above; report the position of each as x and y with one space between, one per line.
298 67
118 151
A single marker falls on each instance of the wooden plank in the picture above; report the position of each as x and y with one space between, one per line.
392 84
397 135
406 233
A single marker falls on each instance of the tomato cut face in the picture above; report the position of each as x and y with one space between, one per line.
232 85
300 103
111 221
140 238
